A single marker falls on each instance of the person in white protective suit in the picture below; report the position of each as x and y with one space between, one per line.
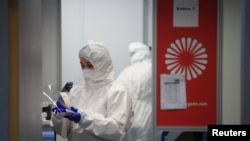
138 79
101 108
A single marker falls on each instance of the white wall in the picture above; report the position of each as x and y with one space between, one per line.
116 23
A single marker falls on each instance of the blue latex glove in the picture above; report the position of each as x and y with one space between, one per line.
60 103
74 116
70 114
57 110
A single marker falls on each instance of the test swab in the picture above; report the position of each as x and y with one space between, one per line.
49 99
68 111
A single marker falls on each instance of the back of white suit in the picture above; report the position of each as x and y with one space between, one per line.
138 79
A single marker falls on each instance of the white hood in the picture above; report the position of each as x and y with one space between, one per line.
99 57
139 52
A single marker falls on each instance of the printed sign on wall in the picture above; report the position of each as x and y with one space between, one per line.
187 45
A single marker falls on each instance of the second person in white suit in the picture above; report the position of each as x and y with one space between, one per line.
138 79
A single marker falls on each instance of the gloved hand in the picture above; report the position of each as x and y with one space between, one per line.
70 114
57 110
74 116
60 110
60 103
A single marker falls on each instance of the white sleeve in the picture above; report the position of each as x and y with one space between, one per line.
112 127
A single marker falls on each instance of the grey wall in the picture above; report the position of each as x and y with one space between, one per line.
231 62
51 48
30 69
4 71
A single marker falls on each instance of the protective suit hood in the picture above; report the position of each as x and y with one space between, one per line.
139 52
99 57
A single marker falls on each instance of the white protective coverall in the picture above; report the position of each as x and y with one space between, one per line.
138 79
104 103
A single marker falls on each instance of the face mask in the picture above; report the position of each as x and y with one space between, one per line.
88 73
